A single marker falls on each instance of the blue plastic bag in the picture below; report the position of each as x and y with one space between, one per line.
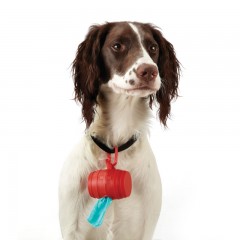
98 212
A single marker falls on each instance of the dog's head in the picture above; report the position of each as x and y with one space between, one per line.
133 59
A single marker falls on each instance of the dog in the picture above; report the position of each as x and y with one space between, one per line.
120 70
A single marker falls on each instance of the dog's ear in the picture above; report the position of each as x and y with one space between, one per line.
87 70
169 69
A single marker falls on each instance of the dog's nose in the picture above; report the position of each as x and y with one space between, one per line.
147 72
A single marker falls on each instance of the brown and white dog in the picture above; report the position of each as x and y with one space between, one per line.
120 70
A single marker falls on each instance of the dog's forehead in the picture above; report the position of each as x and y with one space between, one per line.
133 30
121 29
142 30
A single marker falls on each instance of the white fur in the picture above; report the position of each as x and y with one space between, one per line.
145 58
118 117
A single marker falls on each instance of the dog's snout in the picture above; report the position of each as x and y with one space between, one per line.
147 72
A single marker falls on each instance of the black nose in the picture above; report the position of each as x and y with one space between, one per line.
147 72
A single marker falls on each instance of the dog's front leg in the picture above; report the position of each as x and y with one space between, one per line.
70 197
69 207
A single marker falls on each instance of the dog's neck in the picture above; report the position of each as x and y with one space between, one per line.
118 117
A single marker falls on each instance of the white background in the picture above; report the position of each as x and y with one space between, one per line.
197 155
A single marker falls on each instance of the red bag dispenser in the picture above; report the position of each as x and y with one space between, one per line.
110 182
113 183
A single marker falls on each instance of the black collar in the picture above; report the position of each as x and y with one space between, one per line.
123 147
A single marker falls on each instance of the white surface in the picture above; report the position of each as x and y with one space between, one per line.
198 155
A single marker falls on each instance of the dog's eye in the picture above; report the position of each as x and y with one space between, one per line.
153 48
118 47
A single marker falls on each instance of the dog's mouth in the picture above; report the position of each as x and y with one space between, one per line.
142 88
142 91
136 88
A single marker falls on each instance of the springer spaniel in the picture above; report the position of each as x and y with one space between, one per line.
120 70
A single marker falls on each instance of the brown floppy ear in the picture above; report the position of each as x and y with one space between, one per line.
169 69
87 70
